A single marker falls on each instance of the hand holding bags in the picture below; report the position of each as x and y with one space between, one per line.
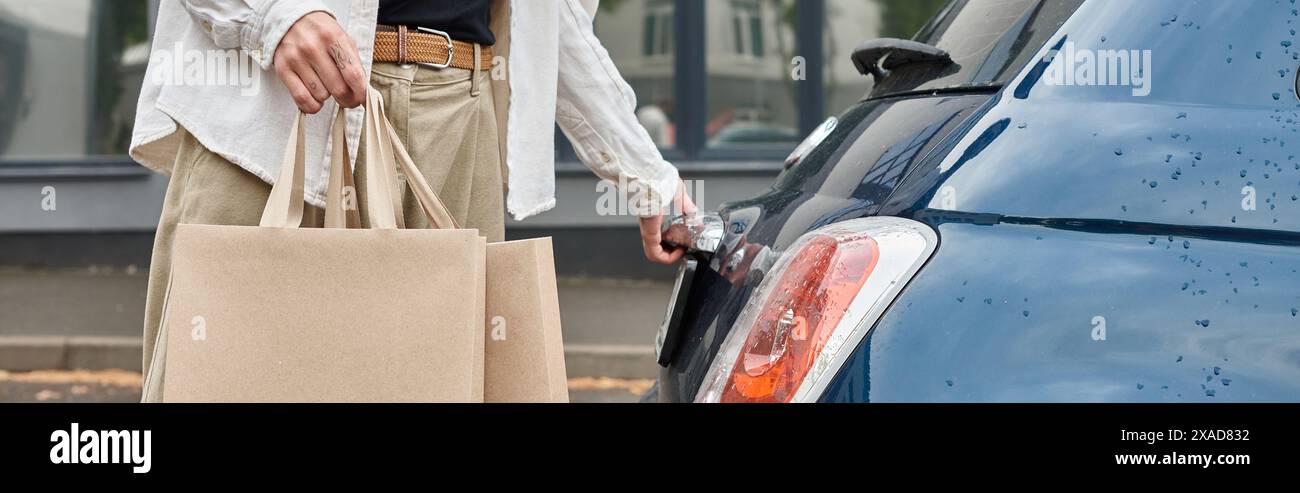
287 314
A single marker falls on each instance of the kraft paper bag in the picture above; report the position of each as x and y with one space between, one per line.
525 349
279 313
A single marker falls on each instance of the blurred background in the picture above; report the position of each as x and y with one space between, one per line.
714 88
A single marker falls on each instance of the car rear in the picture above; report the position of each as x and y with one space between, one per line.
850 170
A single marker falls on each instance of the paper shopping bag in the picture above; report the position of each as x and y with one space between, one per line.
525 349
279 313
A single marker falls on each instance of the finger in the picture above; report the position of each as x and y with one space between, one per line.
343 54
688 205
354 75
657 255
684 202
676 255
301 96
655 252
324 67
311 80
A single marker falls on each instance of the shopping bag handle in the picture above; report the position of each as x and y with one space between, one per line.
284 205
384 153
339 211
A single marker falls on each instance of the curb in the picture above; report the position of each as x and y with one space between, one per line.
27 353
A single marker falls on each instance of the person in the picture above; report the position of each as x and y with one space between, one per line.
474 88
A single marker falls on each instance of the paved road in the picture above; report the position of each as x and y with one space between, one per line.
124 386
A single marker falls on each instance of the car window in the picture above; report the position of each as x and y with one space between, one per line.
989 41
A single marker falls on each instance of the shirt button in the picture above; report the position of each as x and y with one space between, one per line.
207 26
604 156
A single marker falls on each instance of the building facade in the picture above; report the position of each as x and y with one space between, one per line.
726 87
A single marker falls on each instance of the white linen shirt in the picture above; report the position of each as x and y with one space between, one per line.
556 72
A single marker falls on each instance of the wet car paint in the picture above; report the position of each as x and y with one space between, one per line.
1068 208
1069 203
1032 312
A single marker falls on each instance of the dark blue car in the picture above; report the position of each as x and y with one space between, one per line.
1038 200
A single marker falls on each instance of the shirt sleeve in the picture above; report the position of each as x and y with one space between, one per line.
254 26
596 109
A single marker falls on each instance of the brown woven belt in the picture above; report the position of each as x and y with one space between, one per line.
400 45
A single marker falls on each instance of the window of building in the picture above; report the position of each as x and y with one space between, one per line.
640 38
752 96
71 72
716 80
757 74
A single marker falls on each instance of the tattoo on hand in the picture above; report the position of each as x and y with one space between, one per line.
340 55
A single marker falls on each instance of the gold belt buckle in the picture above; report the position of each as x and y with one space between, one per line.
450 47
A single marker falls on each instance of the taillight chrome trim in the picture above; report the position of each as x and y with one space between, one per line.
904 247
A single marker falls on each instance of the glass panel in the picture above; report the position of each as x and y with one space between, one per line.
751 94
639 37
70 73
989 40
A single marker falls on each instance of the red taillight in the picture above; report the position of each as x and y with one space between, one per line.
813 308
798 316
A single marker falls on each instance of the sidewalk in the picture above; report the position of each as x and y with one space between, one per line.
124 386
91 318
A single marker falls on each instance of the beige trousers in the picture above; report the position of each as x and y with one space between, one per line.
450 133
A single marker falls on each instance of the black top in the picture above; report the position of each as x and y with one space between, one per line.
464 20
